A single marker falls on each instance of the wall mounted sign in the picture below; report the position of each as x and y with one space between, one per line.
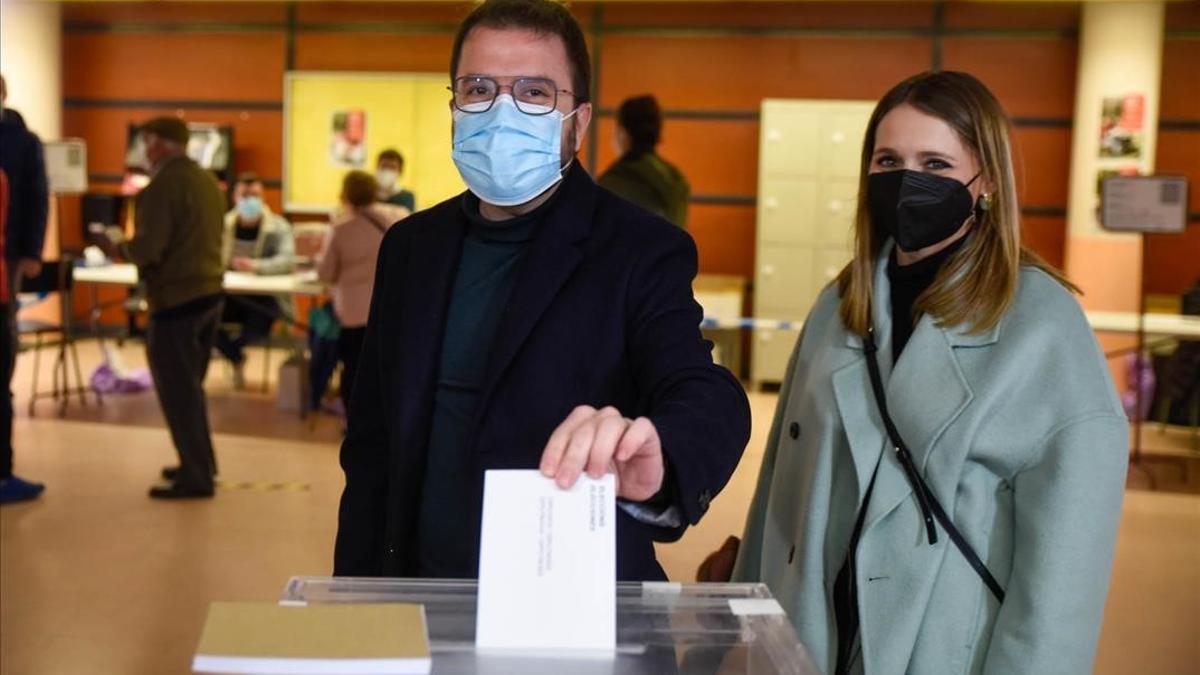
1144 204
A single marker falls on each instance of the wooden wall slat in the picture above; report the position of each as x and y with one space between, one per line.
374 52
399 12
736 73
772 14
179 12
195 66
1047 236
1013 15
1171 261
724 237
1031 77
1179 153
1042 158
1180 80
1183 15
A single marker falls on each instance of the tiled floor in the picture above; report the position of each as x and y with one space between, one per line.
96 578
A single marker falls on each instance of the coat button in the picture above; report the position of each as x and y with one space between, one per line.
794 430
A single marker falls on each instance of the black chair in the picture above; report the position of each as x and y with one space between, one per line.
55 277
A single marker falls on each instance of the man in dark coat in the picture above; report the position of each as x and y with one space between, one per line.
25 207
534 322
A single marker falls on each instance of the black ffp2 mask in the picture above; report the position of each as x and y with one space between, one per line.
918 209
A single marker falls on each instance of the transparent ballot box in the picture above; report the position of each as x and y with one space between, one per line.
662 628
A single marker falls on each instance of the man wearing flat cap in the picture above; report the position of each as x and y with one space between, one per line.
177 249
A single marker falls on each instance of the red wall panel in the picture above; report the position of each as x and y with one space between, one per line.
1007 66
772 14
197 66
1179 153
1181 80
736 73
1014 15
1042 159
176 12
409 52
724 238
1172 261
1046 236
395 12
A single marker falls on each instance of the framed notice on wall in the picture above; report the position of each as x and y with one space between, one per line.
66 166
1144 203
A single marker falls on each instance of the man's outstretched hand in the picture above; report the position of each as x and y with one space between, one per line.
597 441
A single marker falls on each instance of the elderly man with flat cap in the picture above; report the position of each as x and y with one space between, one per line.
177 249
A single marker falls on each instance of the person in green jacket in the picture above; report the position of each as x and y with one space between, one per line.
641 175
177 248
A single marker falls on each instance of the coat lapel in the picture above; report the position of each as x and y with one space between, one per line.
925 394
852 389
428 277
926 391
860 419
553 256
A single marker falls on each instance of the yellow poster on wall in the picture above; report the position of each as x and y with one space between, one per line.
338 122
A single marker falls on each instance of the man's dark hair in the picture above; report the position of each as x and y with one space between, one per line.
641 118
391 154
247 178
543 17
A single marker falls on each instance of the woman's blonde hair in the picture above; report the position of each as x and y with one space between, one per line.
976 286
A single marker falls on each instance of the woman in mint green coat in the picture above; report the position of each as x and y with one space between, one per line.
1001 403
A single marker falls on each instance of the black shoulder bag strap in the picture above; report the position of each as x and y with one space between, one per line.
930 507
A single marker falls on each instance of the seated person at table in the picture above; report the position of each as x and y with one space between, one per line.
389 170
257 241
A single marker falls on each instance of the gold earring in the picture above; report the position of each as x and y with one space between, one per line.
985 201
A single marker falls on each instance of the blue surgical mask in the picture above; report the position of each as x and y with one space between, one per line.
505 156
250 208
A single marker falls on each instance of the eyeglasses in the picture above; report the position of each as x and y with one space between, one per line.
533 95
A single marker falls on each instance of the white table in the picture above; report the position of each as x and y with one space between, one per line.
240 283
1166 325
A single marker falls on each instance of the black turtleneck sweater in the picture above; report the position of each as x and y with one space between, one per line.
483 282
907 282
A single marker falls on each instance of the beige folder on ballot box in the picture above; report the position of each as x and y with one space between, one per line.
264 637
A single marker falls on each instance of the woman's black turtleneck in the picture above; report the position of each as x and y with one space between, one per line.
908 282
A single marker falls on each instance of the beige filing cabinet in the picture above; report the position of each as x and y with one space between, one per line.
808 166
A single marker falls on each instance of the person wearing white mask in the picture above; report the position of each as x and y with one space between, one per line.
389 174
257 241
535 321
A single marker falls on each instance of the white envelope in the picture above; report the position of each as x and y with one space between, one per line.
547 565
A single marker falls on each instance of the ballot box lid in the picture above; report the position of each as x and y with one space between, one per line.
661 628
